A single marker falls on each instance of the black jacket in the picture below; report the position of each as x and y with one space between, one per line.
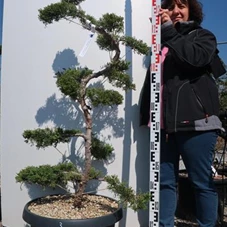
190 94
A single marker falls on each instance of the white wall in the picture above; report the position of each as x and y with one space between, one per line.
31 54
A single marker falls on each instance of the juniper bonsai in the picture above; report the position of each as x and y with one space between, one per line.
73 82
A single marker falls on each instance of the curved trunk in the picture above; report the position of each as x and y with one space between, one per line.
87 140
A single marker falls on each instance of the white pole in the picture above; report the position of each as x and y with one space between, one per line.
155 78
221 43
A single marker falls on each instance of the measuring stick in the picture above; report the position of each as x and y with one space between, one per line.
155 109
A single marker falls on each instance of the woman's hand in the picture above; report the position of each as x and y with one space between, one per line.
164 15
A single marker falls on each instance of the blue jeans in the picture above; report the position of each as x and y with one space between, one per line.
196 150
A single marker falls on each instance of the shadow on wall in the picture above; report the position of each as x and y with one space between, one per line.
64 60
140 135
128 114
65 113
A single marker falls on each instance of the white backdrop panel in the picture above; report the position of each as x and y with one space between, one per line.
31 55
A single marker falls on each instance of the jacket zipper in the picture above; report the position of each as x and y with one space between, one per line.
177 104
202 106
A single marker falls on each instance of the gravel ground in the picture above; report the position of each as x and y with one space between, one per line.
191 221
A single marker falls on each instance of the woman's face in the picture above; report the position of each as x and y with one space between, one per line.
179 11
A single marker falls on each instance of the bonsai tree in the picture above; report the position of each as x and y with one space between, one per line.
73 82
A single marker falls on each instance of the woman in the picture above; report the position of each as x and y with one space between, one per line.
190 108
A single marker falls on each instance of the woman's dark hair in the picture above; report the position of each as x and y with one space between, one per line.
195 8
